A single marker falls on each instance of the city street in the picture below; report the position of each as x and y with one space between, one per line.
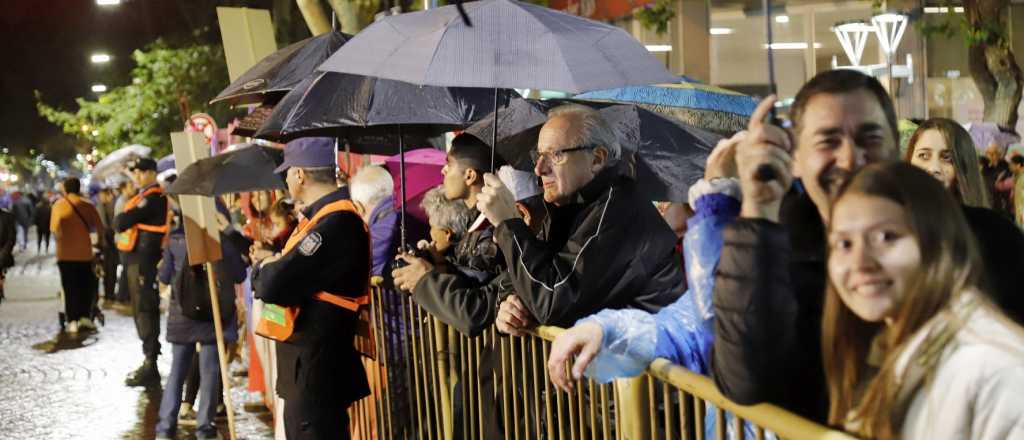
58 387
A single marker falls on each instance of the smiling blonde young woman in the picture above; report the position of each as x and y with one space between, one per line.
910 346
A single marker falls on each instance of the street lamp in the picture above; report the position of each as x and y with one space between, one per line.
99 88
108 2
853 36
99 58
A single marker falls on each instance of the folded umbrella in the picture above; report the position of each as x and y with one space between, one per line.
359 107
246 169
277 73
670 155
711 108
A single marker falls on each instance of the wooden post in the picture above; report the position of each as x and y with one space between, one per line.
202 241
221 350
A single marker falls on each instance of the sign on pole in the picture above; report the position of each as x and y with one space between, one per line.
248 36
198 213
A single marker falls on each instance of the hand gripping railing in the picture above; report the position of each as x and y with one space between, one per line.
432 382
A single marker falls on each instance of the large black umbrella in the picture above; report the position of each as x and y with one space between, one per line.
249 168
366 111
669 154
279 72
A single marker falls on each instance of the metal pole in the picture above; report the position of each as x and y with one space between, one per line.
494 129
401 176
211 280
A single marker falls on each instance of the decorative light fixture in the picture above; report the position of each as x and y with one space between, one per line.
853 36
99 58
890 27
99 88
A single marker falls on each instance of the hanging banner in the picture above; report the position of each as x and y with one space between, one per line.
600 10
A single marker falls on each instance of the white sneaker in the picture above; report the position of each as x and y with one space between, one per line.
72 328
86 324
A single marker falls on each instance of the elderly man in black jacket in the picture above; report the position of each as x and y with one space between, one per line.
770 282
605 244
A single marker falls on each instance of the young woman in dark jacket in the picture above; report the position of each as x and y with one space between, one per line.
183 333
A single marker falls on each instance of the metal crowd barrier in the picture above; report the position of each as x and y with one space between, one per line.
429 381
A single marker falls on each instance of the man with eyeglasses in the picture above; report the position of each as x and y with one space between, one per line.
603 244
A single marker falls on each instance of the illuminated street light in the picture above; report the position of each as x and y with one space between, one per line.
99 58
99 88
108 2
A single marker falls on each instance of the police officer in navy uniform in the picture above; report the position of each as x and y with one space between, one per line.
141 229
319 373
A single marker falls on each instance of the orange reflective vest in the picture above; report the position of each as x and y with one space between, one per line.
278 322
126 240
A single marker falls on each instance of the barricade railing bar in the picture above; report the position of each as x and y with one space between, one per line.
429 381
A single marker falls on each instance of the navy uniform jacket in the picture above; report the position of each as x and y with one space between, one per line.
321 367
150 211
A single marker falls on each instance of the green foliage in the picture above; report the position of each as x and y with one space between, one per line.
146 111
992 32
656 17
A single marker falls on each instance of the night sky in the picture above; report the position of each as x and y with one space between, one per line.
47 44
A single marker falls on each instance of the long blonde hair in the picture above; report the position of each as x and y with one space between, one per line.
949 265
970 186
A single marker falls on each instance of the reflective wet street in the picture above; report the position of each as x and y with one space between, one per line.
53 386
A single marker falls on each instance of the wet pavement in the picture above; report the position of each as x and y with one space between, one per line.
53 386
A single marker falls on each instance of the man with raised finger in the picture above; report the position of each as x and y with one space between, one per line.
604 244
770 283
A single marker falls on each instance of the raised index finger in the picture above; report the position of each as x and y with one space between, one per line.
761 113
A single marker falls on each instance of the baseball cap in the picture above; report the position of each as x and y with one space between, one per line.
522 184
143 164
308 152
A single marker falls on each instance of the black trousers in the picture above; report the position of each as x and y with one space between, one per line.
145 302
42 238
304 420
79 283
110 261
123 294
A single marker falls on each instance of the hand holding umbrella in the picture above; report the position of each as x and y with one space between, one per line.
495 201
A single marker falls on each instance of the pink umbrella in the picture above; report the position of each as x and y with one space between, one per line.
422 172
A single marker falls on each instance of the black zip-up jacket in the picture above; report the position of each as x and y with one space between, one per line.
610 249
769 296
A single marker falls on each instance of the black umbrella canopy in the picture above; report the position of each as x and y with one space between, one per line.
280 71
354 107
670 155
249 168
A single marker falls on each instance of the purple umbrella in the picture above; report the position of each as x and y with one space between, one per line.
422 172
984 133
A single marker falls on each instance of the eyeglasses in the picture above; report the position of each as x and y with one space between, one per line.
556 157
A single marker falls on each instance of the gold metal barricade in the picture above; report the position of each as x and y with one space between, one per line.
432 382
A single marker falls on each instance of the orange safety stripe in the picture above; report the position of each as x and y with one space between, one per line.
344 301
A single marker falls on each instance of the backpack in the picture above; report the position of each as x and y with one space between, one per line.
192 287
